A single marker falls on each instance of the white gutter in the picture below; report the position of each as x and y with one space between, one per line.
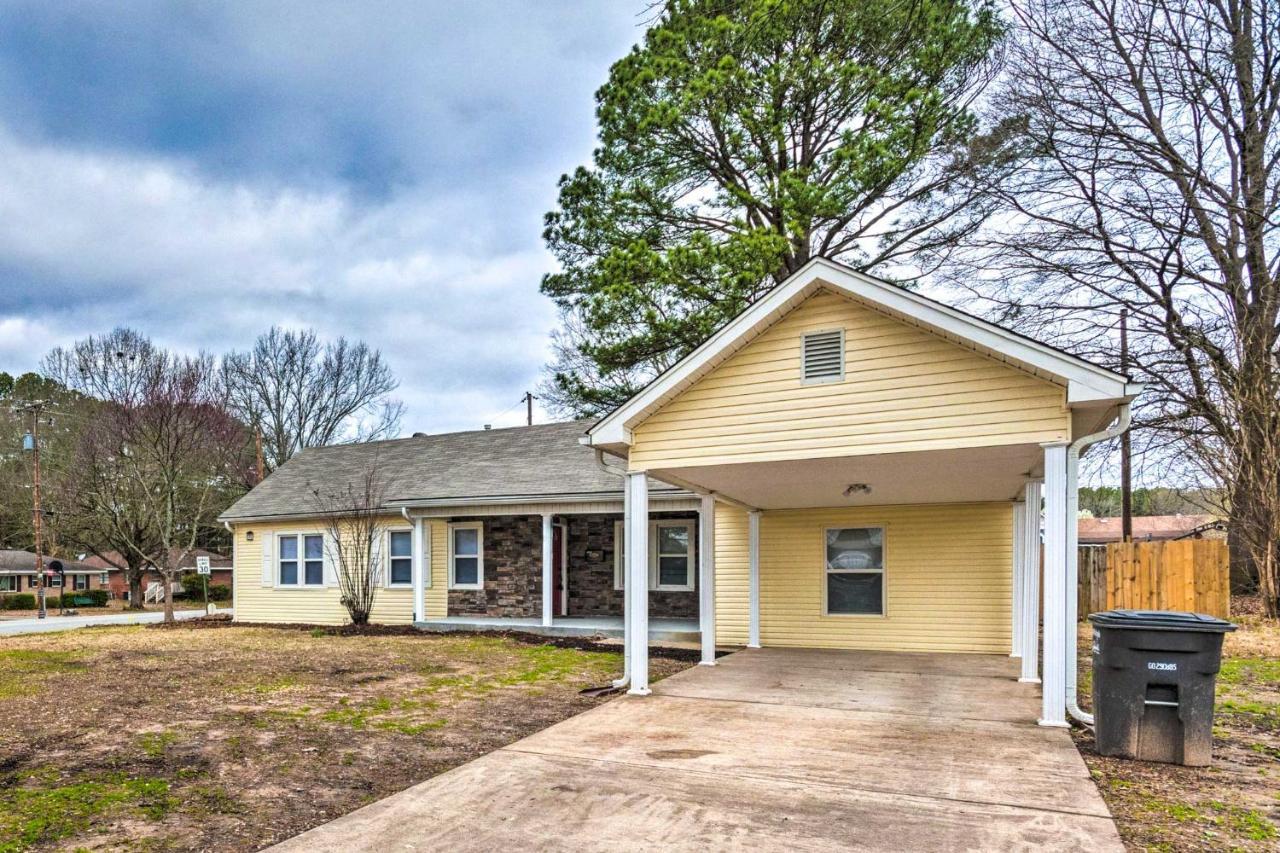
1123 420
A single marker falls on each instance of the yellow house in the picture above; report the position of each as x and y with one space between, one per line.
846 464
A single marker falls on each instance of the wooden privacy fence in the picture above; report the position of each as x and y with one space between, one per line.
1182 574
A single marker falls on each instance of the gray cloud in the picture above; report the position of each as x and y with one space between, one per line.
374 170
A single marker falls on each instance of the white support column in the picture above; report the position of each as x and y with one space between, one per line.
637 580
420 569
1054 684
1071 578
548 571
1019 576
1031 587
753 588
707 579
627 633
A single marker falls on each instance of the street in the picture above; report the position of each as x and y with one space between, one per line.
68 623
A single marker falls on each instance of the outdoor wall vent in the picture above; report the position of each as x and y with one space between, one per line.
822 356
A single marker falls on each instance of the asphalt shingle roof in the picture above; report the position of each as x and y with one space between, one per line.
534 462
25 561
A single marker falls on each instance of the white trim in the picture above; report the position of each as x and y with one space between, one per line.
300 559
478 526
805 379
1086 383
619 554
827 571
386 549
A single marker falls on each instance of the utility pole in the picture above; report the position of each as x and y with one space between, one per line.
34 408
257 441
528 399
1126 449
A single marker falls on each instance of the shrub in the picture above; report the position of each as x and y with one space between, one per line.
92 598
18 601
193 589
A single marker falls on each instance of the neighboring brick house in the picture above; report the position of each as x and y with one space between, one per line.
220 565
18 573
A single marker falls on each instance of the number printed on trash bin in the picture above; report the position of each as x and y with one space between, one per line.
1162 666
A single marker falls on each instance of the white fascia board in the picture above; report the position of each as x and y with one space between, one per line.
1085 382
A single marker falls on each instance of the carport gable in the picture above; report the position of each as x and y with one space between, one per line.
834 363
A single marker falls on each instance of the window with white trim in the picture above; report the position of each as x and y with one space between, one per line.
8 583
822 356
466 555
672 566
104 579
400 557
80 581
854 571
300 559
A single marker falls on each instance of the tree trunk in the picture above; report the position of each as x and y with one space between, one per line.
168 596
135 588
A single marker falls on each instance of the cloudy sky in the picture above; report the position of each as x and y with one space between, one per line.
201 171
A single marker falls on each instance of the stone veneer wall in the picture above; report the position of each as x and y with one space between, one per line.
513 571
591 591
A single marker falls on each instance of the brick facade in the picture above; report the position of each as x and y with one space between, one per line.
513 571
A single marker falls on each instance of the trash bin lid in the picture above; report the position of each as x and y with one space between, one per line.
1161 620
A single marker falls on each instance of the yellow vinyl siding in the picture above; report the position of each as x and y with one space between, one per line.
904 389
437 595
731 575
322 605
948 579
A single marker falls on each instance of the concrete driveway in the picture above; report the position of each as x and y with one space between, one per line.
770 749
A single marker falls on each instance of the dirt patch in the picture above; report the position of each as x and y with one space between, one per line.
1233 804
218 737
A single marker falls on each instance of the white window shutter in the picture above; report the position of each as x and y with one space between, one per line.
268 561
330 560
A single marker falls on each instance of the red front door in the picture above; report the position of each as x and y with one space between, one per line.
560 602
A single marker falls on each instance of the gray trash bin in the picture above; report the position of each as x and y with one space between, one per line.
1153 682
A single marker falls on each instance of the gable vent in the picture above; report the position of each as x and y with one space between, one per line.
822 358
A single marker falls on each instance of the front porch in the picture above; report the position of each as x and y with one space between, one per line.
661 630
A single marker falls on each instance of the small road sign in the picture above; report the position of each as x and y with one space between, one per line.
202 566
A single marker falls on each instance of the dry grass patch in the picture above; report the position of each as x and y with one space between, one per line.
1233 804
231 739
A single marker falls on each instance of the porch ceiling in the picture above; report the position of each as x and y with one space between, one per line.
936 476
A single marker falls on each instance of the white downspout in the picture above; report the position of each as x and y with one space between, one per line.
1123 420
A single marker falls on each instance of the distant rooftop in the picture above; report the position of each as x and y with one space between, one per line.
1095 531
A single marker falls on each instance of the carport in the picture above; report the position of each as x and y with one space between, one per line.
795 749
